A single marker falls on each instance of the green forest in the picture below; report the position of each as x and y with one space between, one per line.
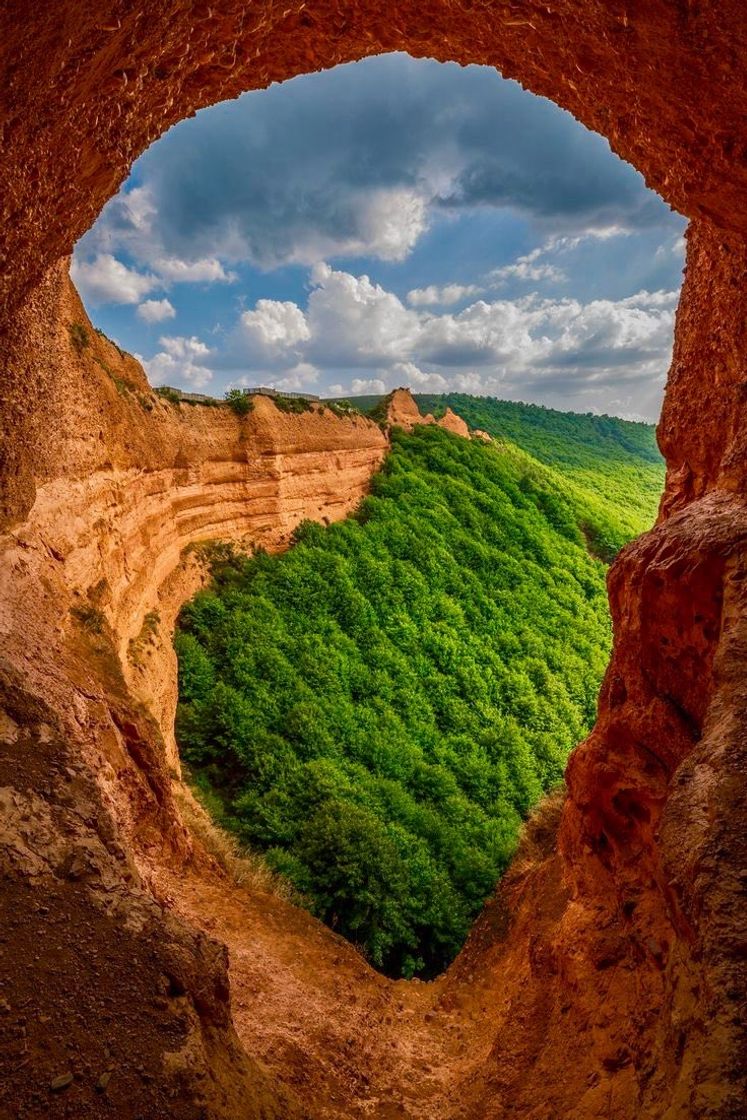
378 708
614 465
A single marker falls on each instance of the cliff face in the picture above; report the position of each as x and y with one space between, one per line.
140 479
403 412
91 581
606 978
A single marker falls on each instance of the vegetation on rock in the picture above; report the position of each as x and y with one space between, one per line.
239 401
379 708
168 394
292 404
78 337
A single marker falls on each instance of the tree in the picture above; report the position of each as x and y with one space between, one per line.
356 875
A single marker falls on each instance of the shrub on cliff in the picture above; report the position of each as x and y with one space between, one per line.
79 337
238 401
292 404
166 393
380 707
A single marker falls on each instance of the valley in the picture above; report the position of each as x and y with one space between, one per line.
379 709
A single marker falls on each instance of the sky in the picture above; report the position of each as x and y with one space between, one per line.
391 222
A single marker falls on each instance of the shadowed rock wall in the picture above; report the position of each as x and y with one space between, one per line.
606 978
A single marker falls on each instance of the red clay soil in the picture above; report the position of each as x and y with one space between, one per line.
607 978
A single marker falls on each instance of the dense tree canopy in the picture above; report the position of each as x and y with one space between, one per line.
378 708
613 466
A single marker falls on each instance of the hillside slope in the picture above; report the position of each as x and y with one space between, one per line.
379 708
617 461
613 466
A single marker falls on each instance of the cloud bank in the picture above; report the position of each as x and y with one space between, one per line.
355 163
367 340
484 231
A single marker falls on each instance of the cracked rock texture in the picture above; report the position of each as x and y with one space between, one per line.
606 978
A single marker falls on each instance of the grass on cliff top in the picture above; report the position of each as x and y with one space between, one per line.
378 709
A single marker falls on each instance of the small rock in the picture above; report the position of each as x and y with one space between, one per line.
104 1080
61 1082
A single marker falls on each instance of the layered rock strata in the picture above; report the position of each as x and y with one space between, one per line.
607 978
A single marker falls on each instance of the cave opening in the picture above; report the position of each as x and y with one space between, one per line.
388 219
393 220
565 1032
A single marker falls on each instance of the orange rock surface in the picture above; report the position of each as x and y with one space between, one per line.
403 412
453 423
606 980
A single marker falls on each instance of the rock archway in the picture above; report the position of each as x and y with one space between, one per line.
605 979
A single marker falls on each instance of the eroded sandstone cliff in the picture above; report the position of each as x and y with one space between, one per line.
91 583
607 978
403 412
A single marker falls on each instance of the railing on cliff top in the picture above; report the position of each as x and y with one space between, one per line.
261 391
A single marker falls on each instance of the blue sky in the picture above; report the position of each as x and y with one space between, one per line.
389 222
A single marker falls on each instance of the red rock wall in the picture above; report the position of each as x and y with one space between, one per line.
119 483
702 430
605 980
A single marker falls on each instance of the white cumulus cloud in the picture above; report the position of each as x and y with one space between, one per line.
573 353
529 267
270 337
442 296
156 310
104 279
279 323
180 360
391 221
208 270
355 322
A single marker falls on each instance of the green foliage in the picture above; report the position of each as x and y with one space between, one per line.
238 401
292 404
78 337
122 386
611 468
122 353
147 637
90 617
378 708
342 408
378 410
216 554
166 393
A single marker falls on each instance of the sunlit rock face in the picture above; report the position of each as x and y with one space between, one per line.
403 412
605 979
453 423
